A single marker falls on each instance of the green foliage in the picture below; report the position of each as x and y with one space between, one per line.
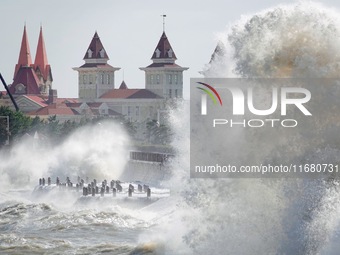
19 124
56 131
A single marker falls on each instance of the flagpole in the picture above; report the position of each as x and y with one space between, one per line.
163 22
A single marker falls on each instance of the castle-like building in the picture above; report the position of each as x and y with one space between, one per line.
32 78
97 92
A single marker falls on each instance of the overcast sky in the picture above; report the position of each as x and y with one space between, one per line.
129 31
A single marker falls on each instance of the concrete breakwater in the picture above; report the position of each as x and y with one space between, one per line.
93 188
142 178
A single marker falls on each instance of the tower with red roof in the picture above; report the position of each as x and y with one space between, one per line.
29 78
41 66
25 80
164 77
96 76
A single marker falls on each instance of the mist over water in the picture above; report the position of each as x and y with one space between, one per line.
97 151
54 221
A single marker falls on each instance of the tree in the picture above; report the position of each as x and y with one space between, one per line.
19 124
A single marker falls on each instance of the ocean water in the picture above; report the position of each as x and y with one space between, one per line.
54 220
64 222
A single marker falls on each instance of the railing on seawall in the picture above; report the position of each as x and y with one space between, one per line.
156 157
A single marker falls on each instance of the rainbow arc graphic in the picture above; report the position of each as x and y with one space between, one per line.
211 92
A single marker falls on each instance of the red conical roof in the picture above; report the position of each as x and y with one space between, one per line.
96 49
25 53
41 61
164 49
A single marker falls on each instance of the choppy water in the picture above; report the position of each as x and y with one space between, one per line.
28 227
59 221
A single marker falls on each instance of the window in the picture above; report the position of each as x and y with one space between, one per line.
158 53
84 78
89 53
137 110
176 79
157 79
176 93
20 89
151 79
102 53
108 79
170 93
170 53
170 79
102 78
91 78
129 111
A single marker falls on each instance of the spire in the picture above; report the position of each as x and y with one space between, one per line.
25 53
41 57
123 85
164 50
96 50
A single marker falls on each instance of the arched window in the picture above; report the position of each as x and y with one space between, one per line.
20 89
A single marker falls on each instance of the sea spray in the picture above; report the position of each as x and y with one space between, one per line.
265 216
97 151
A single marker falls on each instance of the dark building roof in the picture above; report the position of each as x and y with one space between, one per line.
96 49
55 109
123 85
164 49
164 65
97 65
28 78
130 94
